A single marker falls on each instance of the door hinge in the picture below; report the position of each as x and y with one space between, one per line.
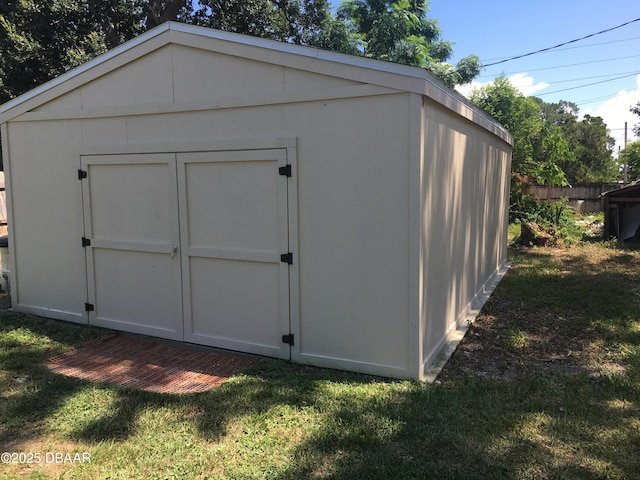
82 174
286 170
88 307
86 242
288 339
287 258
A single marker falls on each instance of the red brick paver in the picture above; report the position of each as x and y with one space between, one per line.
149 366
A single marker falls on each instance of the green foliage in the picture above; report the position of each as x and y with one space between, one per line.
636 110
592 145
40 40
551 147
516 339
399 31
543 212
630 156
557 215
159 11
304 22
552 152
519 114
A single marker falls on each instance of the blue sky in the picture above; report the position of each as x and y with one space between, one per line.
497 29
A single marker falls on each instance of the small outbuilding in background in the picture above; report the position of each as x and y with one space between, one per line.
622 213
258 196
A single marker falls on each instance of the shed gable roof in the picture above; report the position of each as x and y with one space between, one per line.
348 67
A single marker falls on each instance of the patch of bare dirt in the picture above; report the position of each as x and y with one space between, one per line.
485 352
547 342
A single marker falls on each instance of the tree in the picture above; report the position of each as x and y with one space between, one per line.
630 156
399 31
564 114
636 110
519 114
160 11
539 146
304 22
593 147
551 153
587 140
40 40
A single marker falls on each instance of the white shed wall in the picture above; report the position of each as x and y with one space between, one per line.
354 231
47 266
352 181
466 174
353 201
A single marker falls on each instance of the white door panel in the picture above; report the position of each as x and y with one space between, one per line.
233 214
134 292
131 220
240 197
236 301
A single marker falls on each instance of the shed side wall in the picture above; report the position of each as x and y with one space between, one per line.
464 221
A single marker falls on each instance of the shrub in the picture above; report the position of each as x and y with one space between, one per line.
546 213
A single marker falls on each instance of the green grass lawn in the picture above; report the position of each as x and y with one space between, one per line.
546 385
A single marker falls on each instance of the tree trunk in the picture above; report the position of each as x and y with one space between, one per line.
160 11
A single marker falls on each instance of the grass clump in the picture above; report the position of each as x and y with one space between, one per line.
516 338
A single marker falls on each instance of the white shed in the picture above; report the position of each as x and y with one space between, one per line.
257 196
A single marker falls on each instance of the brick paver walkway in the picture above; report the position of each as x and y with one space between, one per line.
149 366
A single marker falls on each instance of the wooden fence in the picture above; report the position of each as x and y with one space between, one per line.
584 197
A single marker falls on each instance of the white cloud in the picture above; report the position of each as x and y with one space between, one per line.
526 84
467 88
615 112
521 81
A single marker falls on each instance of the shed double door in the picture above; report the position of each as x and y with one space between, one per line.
188 246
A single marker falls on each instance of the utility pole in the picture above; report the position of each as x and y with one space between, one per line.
625 167
625 134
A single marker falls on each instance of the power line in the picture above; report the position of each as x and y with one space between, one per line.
578 46
562 44
566 66
588 84
593 100
598 99
625 74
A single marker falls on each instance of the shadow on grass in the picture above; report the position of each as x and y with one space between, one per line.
25 344
546 425
550 427
468 428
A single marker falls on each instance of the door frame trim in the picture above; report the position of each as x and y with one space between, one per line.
213 145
